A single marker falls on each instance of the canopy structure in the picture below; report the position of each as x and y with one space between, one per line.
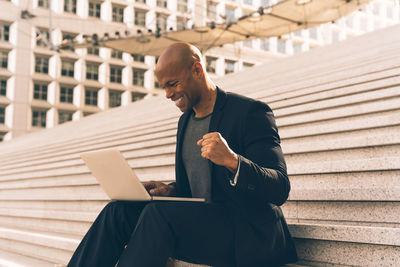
282 18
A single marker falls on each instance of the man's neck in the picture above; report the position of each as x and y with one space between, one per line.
206 106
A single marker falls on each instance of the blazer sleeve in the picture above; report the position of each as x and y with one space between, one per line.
262 175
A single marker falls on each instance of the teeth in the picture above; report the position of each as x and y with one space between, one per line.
179 99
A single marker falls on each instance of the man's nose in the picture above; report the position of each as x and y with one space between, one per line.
168 93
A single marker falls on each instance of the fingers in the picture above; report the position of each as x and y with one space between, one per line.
149 185
209 138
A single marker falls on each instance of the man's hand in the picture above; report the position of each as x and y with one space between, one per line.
156 188
215 148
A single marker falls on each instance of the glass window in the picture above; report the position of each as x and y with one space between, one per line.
70 6
40 91
116 54
297 48
335 36
91 96
180 25
43 3
247 65
138 58
161 21
162 3
93 51
41 64
229 13
114 98
248 2
3 59
248 43
281 46
389 12
3 86
264 44
94 9
67 68
117 13
364 24
69 36
182 5
87 113
39 118
229 66
138 77
115 74
64 116
2 114
349 21
298 33
266 3
376 9
66 93
140 18
212 10
42 38
313 33
92 71
211 63
4 32
137 96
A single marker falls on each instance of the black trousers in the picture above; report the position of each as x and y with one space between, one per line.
146 234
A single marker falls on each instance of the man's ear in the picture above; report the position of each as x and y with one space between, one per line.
198 70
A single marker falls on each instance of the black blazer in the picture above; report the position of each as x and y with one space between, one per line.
248 126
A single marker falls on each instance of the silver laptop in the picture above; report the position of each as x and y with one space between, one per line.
117 178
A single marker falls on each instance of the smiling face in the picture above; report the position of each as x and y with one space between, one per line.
178 74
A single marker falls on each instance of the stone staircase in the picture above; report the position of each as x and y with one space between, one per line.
338 112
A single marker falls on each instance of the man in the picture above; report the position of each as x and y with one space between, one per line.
228 152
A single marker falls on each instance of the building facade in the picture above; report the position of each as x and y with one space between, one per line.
41 87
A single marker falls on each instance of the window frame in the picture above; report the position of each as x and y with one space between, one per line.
68 95
42 64
40 91
41 120
91 97
114 98
138 80
92 71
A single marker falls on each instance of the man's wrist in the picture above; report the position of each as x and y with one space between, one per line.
233 163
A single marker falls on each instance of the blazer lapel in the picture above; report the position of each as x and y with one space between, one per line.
183 188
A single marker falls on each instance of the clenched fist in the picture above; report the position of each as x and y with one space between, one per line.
215 148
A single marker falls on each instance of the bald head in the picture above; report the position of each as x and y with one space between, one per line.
180 71
179 56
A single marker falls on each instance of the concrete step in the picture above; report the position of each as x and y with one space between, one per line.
345 140
9 259
356 213
339 125
74 205
344 186
341 101
68 227
130 152
364 82
58 257
341 112
318 75
370 137
364 141
79 145
324 253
